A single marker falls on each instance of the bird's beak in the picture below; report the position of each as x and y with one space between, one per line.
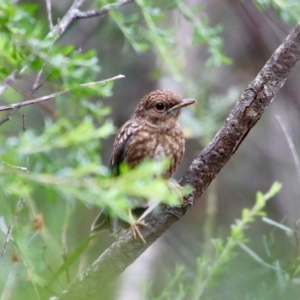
183 103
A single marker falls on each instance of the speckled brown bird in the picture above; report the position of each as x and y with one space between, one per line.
153 132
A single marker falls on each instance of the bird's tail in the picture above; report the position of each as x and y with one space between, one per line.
105 222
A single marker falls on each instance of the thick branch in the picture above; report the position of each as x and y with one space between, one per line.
247 111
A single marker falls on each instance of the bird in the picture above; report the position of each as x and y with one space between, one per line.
152 132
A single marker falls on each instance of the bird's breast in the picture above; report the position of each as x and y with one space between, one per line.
160 152
170 145
151 143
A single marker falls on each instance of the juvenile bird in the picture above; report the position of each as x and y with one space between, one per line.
152 132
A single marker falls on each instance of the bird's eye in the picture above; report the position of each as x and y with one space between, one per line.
160 106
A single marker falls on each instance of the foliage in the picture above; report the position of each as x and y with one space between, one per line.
287 10
203 34
214 271
55 167
23 42
164 40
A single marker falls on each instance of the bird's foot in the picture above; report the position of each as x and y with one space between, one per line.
136 231
135 227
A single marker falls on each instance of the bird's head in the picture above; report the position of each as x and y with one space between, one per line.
161 108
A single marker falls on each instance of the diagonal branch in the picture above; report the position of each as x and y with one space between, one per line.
8 81
37 84
247 111
16 106
10 229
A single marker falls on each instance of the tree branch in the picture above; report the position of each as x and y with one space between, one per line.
49 13
10 228
99 12
8 81
16 106
247 111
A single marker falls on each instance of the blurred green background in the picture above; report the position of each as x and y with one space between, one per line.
207 50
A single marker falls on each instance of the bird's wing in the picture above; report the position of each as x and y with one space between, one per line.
121 143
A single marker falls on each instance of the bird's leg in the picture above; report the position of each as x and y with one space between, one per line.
177 188
134 227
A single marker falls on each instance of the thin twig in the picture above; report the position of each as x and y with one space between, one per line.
291 144
51 96
24 130
37 84
20 203
99 12
64 22
120 76
8 116
10 228
49 13
46 262
32 101
15 167
65 250
64 240
8 81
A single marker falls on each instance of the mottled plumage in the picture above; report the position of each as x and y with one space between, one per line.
153 132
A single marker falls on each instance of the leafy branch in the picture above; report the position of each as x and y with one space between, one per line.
54 95
237 236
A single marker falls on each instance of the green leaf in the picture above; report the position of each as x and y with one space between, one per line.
278 225
72 258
